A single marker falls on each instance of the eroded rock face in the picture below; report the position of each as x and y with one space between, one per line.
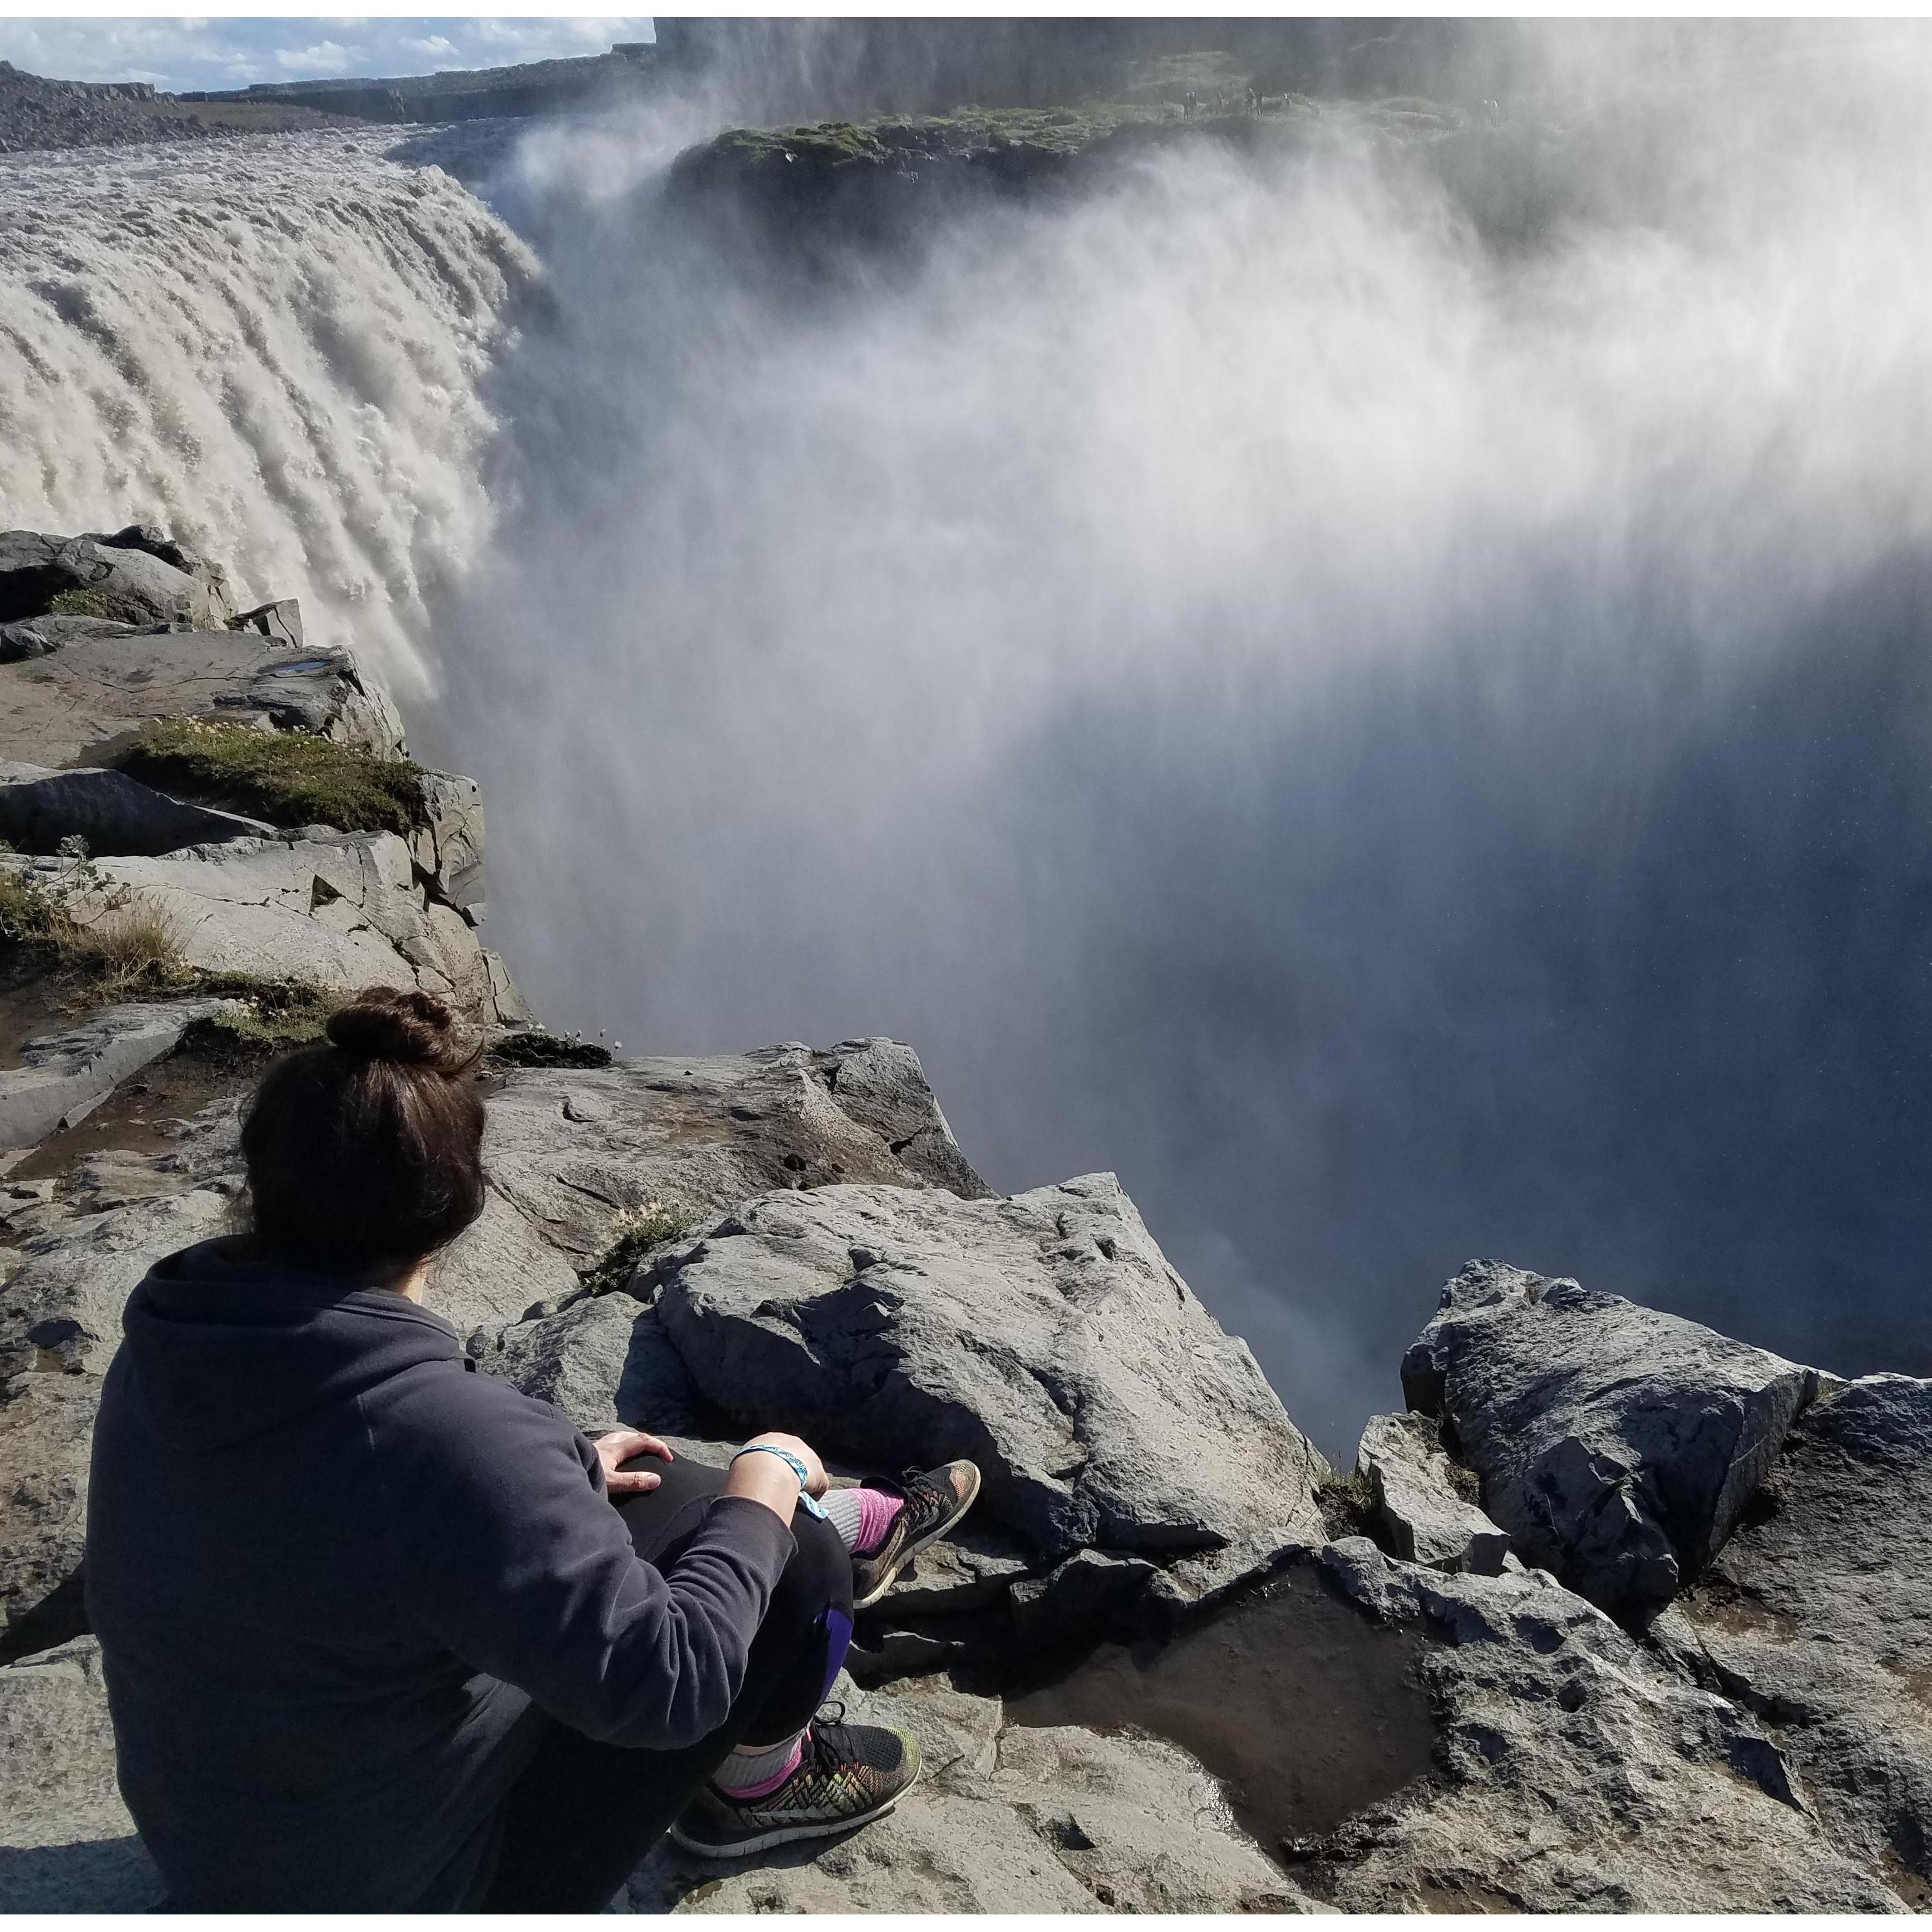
1428 1518
1045 1336
1817 1615
65 1075
1617 1446
448 851
573 1148
1573 1773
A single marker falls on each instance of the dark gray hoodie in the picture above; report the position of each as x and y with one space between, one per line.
338 1577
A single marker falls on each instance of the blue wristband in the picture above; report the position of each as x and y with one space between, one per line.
810 1503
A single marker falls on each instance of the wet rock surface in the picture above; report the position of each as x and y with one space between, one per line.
97 683
64 1076
1617 1446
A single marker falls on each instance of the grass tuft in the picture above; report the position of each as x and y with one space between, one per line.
1348 1507
131 946
134 948
633 1235
80 604
289 778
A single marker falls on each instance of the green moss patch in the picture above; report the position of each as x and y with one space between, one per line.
268 1019
287 777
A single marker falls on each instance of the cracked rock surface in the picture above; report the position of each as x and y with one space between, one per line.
1817 1615
345 912
1429 1519
1573 1773
572 1147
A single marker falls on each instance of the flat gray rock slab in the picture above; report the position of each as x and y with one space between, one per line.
493 1273
1428 1518
73 704
1818 1615
345 913
66 1843
66 1075
112 812
1044 1336
1617 1446
1572 1773
574 1149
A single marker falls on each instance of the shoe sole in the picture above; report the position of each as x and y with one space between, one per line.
788 1834
912 1549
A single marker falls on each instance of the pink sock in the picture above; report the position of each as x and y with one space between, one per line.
877 1512
754 1765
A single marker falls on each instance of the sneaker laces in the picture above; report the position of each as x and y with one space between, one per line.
927 1500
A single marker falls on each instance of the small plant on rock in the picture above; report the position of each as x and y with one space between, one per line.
80 604
633 1232
290 779
1348 1507
103 941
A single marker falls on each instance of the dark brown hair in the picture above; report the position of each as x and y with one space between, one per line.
365 1155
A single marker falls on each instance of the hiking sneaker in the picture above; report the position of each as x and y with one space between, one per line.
935 1499
849 1774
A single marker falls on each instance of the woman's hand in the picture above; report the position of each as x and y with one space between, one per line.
620 1445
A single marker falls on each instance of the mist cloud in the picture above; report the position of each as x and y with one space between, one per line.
1376 694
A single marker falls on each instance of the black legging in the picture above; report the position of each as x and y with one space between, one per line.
584 1814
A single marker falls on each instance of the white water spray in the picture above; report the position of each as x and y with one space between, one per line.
272 347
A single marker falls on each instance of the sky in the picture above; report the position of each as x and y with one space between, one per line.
181 54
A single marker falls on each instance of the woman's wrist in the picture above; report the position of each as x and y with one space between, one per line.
784 1456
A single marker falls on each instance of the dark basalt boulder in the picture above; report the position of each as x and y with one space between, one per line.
1045 1336
1617 1446
135 576
112 812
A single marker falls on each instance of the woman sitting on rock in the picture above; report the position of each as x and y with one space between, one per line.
375 1636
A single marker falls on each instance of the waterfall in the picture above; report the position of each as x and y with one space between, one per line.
273 347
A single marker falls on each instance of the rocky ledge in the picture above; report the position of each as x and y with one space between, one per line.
1616 1614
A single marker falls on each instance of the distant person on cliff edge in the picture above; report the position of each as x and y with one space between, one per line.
381 1633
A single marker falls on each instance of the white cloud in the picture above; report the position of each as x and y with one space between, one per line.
325 57
438 46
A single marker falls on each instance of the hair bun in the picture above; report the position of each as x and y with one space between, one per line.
413 1029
